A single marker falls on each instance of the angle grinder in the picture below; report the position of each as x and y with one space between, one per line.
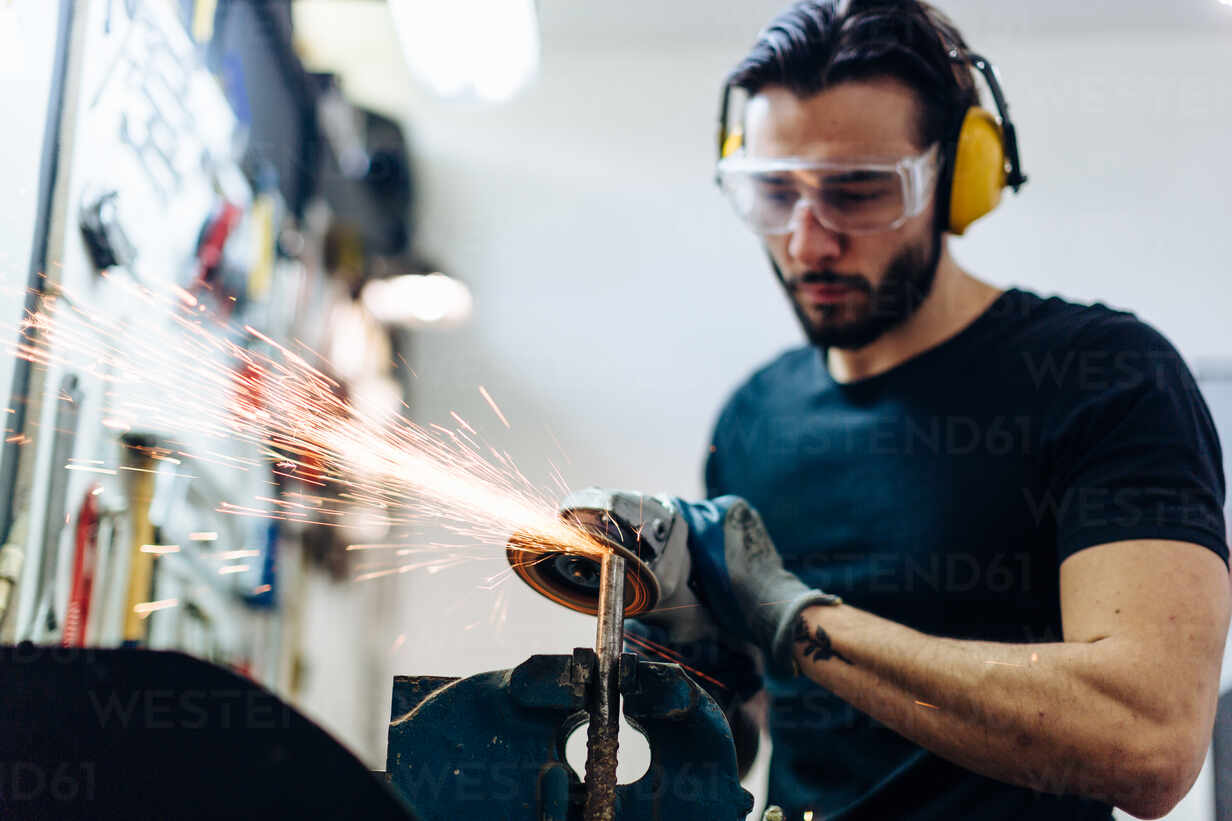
646 531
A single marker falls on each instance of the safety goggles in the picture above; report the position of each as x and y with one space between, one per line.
846 197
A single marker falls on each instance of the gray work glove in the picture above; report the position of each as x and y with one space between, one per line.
734 560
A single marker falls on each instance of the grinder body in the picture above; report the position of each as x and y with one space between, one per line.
652 536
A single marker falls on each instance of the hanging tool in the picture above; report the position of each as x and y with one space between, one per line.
46 622
85 566
12 558
102 231
139 488
105 623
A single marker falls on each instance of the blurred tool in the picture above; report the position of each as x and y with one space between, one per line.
365 174
139 488
263 595
102 230
12 559
221 271
105 622
85 565
46 623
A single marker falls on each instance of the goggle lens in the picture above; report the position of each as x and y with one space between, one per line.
846 199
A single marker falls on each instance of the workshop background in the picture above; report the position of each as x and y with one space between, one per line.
583 268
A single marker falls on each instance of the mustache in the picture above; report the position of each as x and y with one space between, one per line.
853 281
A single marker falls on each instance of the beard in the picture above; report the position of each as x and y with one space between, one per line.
907 283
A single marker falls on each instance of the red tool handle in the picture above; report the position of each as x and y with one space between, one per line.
85 562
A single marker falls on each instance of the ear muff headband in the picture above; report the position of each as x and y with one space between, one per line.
982 157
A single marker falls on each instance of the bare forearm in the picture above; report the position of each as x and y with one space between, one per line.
1041 716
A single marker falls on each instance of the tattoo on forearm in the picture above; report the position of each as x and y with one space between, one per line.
816 645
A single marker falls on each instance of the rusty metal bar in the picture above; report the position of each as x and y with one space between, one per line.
601 741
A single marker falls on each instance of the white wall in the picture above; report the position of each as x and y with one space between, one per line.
27 51
1129 200
618 302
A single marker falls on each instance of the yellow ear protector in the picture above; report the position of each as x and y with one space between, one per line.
982 157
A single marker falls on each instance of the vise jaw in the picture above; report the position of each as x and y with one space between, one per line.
492 745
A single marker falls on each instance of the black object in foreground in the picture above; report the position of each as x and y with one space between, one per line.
139 734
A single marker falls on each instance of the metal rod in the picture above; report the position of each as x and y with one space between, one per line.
601 742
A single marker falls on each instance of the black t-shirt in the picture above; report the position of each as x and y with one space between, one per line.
944 495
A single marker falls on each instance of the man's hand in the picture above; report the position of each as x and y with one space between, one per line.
719 548
768 597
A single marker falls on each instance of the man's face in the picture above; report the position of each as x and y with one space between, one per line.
847 289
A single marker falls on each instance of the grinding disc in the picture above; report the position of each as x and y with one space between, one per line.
572 580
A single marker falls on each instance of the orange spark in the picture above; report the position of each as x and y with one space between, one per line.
160 549
89 469
167 374
462 422
495 409
146 608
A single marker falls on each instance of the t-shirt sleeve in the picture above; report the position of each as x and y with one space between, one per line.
1136 454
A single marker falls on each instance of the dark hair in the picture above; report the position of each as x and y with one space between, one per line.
816 44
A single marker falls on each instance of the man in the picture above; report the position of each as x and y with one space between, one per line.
1017 500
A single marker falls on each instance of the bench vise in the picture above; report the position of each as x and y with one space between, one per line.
492 746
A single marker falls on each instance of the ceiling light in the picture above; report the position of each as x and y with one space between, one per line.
484 49
418 300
